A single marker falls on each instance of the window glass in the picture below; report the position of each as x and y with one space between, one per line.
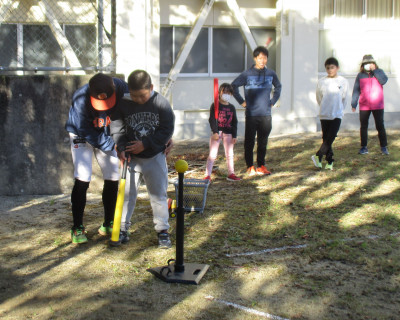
396 12
349 8
325 9
197 60
40 47
81 37
8 43
379 8
228 51
166 52
354 8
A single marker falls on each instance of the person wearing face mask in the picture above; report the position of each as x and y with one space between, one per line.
368 94
258 83
224 128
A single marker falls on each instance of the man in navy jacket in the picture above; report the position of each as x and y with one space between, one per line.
258 83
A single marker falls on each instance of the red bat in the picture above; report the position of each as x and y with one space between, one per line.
216 99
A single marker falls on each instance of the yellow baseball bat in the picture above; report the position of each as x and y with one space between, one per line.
173 209
118 207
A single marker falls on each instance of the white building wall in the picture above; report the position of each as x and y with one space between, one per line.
138 37
297 33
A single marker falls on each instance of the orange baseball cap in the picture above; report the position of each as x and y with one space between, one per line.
102 92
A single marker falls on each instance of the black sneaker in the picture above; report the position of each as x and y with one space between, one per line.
363 150
124 236
385 151
164 242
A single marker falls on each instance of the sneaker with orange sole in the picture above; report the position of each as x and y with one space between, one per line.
251 171
263 171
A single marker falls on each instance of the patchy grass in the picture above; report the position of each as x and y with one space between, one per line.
299 244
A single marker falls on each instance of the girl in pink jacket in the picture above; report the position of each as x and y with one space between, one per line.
368 94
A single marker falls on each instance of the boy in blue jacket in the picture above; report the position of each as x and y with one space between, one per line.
257 82
88 125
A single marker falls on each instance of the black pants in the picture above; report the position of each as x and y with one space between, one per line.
78 201
260 126
379 125
330 128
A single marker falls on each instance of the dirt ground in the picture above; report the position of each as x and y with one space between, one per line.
44 276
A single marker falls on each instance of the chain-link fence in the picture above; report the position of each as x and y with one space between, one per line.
48 36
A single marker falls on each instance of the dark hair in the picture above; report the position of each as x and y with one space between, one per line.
333 61
226 87
260 49
138 80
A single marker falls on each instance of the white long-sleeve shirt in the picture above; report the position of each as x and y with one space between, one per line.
332 95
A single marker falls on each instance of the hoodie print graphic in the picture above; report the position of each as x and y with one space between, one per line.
142 124
259 82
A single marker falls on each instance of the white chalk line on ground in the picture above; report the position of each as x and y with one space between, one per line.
300 246
246 309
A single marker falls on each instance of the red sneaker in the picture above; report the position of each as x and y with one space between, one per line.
232 177
207 178
263 171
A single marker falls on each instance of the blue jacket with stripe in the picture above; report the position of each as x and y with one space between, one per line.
258 85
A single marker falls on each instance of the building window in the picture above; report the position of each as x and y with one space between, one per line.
40 47
35 46
171 40
352 28
8 36
380 9
81 40
349 9
370 9
229 52
216 51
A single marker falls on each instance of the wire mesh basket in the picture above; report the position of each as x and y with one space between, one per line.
194 194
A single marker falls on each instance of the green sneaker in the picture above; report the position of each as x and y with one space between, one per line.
105 231
78 235
316 162
329 166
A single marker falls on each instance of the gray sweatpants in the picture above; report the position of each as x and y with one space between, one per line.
155 175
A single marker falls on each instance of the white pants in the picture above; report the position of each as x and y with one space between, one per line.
82 154
155 175
214 146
